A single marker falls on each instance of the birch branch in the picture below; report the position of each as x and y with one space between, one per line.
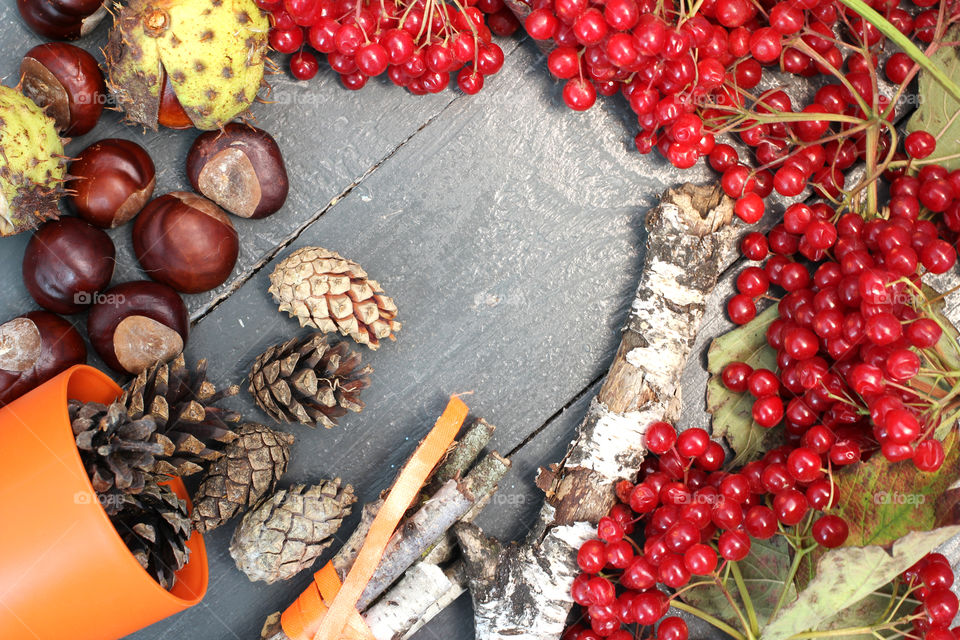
521 592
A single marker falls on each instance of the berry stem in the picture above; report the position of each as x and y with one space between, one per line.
721 584
709 619
745 596
788 580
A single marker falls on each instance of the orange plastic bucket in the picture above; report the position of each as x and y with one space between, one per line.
64 570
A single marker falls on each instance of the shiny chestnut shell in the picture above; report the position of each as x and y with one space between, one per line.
34 348
241 169
66 263
134 324
62 19
67 82
171 113
185 241
111 182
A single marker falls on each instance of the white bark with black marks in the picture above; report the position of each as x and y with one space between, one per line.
522 591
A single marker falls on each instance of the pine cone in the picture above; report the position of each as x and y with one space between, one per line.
121 454
288 531
309 381
323 290
248 470
183 405
155 527
118 453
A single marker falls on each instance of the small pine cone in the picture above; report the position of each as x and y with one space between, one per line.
248 470
309 381
323 290
287 532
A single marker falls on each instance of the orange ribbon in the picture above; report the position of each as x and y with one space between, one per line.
327 609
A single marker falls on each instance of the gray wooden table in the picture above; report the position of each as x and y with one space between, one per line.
507 228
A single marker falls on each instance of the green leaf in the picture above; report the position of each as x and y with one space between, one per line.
763 570
847 575
938 108
883 501
732 417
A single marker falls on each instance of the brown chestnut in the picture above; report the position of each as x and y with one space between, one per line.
62 19
111 181
241 169
33 348
171 113
135 324
185 241
66 263
67 82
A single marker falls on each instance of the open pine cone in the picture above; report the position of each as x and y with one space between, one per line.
249 469
287 532
184 407
309 381
323 290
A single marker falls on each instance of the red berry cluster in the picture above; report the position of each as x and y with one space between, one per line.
851 330
684 518
419 44
688 77
931 579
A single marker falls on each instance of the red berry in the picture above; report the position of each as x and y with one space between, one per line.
749 208
760 522
660 437
734 545
304 65
640 575
804 465
941 606
592 556
822 495
644 498
671 628
673 572
830 531
563 62
790 506
579 94
765 45
693 442
919 144
735 376
929 456
372 59
286 40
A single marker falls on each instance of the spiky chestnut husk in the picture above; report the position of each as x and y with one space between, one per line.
31 164
210 53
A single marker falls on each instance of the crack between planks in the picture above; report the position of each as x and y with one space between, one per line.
572 401
273 253
269 256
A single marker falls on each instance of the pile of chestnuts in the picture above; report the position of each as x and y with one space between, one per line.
184 241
